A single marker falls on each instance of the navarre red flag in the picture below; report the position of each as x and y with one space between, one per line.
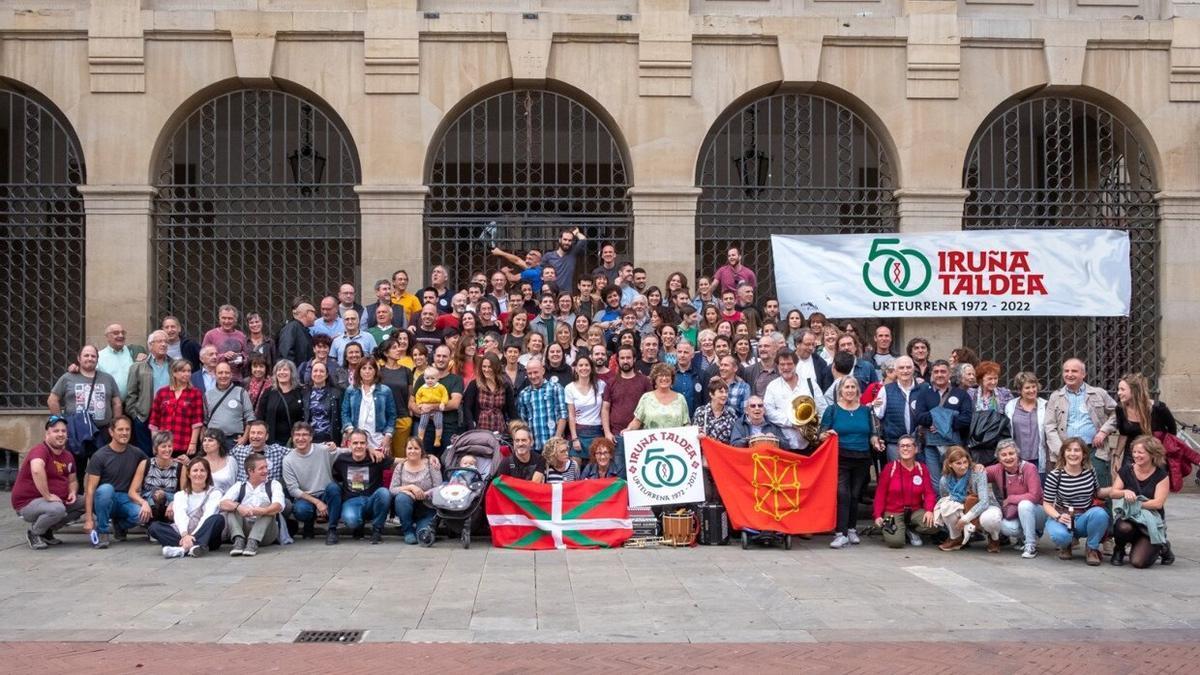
577 514
766 488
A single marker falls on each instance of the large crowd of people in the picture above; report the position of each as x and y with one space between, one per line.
249 437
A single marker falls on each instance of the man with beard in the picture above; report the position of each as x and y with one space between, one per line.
621 397
564 258
45 493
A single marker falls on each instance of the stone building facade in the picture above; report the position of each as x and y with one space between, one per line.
153 142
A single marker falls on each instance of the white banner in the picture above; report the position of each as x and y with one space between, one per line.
663 466
972 273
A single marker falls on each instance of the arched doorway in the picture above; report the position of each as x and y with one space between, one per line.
513 169
1058 162
42 263
789 164
255 207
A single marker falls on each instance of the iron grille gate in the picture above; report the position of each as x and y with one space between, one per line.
515 168
255 207
1066 163
41 248
789 164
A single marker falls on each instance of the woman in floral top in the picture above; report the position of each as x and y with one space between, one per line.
715 419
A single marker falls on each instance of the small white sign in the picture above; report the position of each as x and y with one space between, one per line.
664 466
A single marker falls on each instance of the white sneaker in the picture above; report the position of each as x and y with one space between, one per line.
852 535
914 539
1030 551
839 541
173 552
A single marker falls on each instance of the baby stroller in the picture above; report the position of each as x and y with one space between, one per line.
459 500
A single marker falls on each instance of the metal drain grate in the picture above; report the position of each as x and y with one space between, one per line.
324 636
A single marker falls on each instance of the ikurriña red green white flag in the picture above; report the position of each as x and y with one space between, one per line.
578 514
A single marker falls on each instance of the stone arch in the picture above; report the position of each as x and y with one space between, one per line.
42 244
254 205
509 167
1052 160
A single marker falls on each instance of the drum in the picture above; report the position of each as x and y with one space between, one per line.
763 441
679 529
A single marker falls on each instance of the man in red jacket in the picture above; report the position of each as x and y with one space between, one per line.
904 498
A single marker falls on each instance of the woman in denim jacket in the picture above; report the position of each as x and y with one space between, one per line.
377 416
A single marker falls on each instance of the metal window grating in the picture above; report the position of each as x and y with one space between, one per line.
42 264
255 207
789 164
513 169
327 636
1065 163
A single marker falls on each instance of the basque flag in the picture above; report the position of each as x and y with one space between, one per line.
579 514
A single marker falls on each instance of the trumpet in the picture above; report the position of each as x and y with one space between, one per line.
804 418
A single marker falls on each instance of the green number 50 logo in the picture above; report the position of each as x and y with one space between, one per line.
903 271
660 470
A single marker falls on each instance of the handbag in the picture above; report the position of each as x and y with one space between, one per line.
988 428
81 426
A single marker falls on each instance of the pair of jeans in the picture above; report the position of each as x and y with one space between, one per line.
1029 523
356 510
45 516
413 515
1091 524
586 434
305 512
208 534
933 461
108 505
853 474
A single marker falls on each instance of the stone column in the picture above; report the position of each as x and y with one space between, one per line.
119 262
393 236
664 230
1179 301
931 210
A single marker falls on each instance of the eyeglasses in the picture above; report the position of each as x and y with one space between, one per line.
55 419
754 405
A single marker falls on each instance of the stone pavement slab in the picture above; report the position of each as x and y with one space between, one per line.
400 593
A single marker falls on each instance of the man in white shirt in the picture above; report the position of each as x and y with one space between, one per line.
251 508
784 389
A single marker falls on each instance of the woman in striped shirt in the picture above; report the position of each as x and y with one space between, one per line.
1068 498
560 467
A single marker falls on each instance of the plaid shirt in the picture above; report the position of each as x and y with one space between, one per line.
274 454
541 408
739 391
178 415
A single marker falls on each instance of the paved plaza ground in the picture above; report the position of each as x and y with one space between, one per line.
810 595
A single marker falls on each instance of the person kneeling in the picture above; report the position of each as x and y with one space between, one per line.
358 485
966 503
251 507
1021 502
1069 500
1139 494
198 524
904 498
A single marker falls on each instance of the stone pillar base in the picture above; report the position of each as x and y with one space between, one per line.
664 231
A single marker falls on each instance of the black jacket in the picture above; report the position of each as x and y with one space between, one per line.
295 342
